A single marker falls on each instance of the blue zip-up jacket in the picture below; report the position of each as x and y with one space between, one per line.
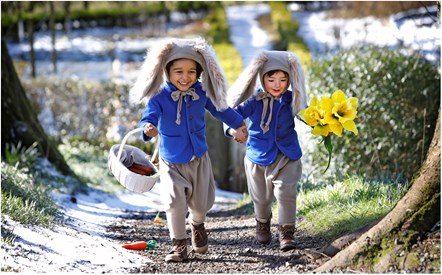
262 149
179 143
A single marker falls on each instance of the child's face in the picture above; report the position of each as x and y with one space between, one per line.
183 73
276 83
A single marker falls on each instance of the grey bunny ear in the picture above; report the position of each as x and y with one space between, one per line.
151 75
297 81
213 80
244 85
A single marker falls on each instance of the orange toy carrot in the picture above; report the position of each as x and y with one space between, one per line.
141 245
157 219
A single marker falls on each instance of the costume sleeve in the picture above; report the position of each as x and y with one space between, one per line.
244 110
150 115
227 116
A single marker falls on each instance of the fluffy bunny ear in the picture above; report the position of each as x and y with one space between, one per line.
244 85
151 75
213 79
297 81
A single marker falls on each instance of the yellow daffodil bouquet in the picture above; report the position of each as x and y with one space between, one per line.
331 115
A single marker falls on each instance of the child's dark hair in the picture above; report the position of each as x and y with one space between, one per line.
199 68
272 72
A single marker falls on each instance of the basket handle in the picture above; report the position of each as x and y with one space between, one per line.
123 142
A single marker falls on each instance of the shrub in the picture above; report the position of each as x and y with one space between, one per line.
399 99
59 103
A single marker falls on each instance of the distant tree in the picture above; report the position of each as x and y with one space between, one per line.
31 39
67 18
52 29
19 119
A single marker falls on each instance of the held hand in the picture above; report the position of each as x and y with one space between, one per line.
150 130
240 135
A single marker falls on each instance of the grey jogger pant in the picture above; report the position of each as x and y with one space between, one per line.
278 180
187 187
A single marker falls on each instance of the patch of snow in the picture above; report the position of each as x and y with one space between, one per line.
64 249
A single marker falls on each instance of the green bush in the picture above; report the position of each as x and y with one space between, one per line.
399 99
100 105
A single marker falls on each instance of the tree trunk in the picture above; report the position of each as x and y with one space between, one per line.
52 29
19 120
67 18
31 40
414 215
31 46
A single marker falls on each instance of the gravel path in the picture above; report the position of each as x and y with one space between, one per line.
232 247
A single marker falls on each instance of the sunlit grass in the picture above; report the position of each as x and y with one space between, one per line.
24 199
332 210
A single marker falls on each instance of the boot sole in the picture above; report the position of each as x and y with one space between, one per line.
175 259
201 250
265 243
287 248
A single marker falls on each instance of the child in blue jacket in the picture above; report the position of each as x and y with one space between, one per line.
273 155
175 110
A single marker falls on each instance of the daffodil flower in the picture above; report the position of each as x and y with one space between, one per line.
345 110
331 115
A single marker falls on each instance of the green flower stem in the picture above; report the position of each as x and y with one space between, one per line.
329 147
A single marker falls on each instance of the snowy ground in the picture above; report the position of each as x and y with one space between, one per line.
81 247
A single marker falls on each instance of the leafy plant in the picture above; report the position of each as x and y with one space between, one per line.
21 156
399 100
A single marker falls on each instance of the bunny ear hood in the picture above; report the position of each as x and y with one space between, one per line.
213 78
297 81
244 85
152 73
267 61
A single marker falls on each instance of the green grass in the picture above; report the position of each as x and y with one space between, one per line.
333 210
24 198
330 211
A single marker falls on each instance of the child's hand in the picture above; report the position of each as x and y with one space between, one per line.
150 130
240 135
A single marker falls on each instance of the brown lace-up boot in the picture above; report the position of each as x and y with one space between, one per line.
263 234
200 242
286 239
178 252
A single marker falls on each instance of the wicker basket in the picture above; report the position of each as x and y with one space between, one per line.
131 180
